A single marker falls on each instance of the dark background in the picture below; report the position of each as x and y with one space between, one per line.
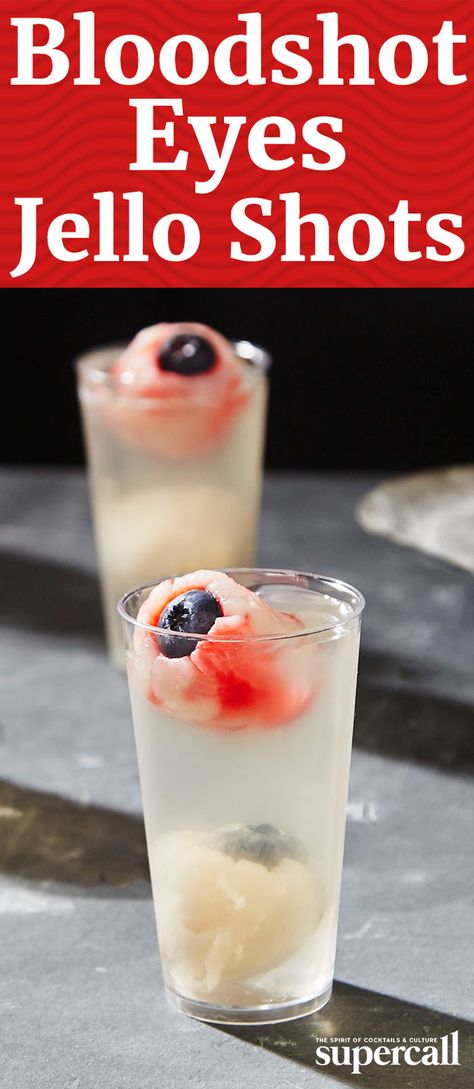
374 379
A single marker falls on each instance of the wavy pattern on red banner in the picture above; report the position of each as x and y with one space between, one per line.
65 142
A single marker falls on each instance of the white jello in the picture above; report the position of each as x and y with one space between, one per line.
174 464
242 926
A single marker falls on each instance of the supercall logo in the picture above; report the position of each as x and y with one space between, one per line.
358 1053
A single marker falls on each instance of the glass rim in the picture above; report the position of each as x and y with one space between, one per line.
329 581
245 350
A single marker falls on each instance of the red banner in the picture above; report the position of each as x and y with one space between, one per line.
218 143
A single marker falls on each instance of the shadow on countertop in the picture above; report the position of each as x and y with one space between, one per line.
354 1012
50 838
50 597
397 716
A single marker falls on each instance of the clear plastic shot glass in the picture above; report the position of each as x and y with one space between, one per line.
244 745
175 480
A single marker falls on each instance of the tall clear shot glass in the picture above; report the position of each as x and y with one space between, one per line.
243 737
174 457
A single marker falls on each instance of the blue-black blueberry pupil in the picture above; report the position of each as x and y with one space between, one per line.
196 611
187 354
261 843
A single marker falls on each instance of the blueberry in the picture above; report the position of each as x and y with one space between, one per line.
261 843
187 354
195 612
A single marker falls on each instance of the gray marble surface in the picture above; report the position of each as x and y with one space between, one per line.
82 1005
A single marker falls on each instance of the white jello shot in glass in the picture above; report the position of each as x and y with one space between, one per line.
242 687
174 428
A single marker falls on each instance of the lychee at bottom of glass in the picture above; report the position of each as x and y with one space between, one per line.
243 746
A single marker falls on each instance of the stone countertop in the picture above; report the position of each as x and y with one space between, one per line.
82 1004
